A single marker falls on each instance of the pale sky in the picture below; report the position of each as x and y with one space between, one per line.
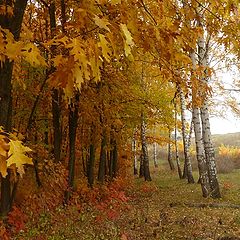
222 126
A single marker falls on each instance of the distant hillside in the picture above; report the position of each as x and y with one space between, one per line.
230 139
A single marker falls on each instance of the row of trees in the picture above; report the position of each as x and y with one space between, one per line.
84 77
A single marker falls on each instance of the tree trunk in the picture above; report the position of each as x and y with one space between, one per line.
113 159
72 121
141 168
206 133
176 144
188 145
187 161
56 94
134 151
90 165
145 150
57 133
13 24
202 167
155 150
170 161
103 157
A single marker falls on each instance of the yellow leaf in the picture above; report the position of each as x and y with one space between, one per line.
32 55
17 155
105 49
114 2
102 22
78 75
127 34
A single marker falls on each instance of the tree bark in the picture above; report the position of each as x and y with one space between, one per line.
202 167
206 133
56 94
103 157
72 121
155 150
134 151
90 165
176 144
187 161
13 24
113 159
146 169
170 161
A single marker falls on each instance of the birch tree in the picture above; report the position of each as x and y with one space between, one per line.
187 161
206 133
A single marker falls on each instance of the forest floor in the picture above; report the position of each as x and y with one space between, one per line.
161 209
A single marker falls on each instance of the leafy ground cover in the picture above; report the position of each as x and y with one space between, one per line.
161 209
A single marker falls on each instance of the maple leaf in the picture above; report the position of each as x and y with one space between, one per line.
17 155
32 55
102 22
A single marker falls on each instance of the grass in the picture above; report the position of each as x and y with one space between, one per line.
147 214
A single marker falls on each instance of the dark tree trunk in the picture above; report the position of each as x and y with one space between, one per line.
73 119
146 169
141 168
103 157
5 195
90 165
13 24
38 181
56 111
113 159
56 94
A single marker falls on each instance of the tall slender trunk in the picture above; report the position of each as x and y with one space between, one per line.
206 133
90 165
155 150
113 158
13 23
146 169
187 161
103 157
134 151
73 119
202 167
56 94
141 168
176 144
188 145
170 160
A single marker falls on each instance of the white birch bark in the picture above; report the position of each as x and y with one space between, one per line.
202 167
134 151
206 133
155 149
176 144
187 162
170 161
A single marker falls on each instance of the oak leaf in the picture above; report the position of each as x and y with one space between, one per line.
102 23
105 49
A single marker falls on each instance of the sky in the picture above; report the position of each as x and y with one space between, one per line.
230 123
221 126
